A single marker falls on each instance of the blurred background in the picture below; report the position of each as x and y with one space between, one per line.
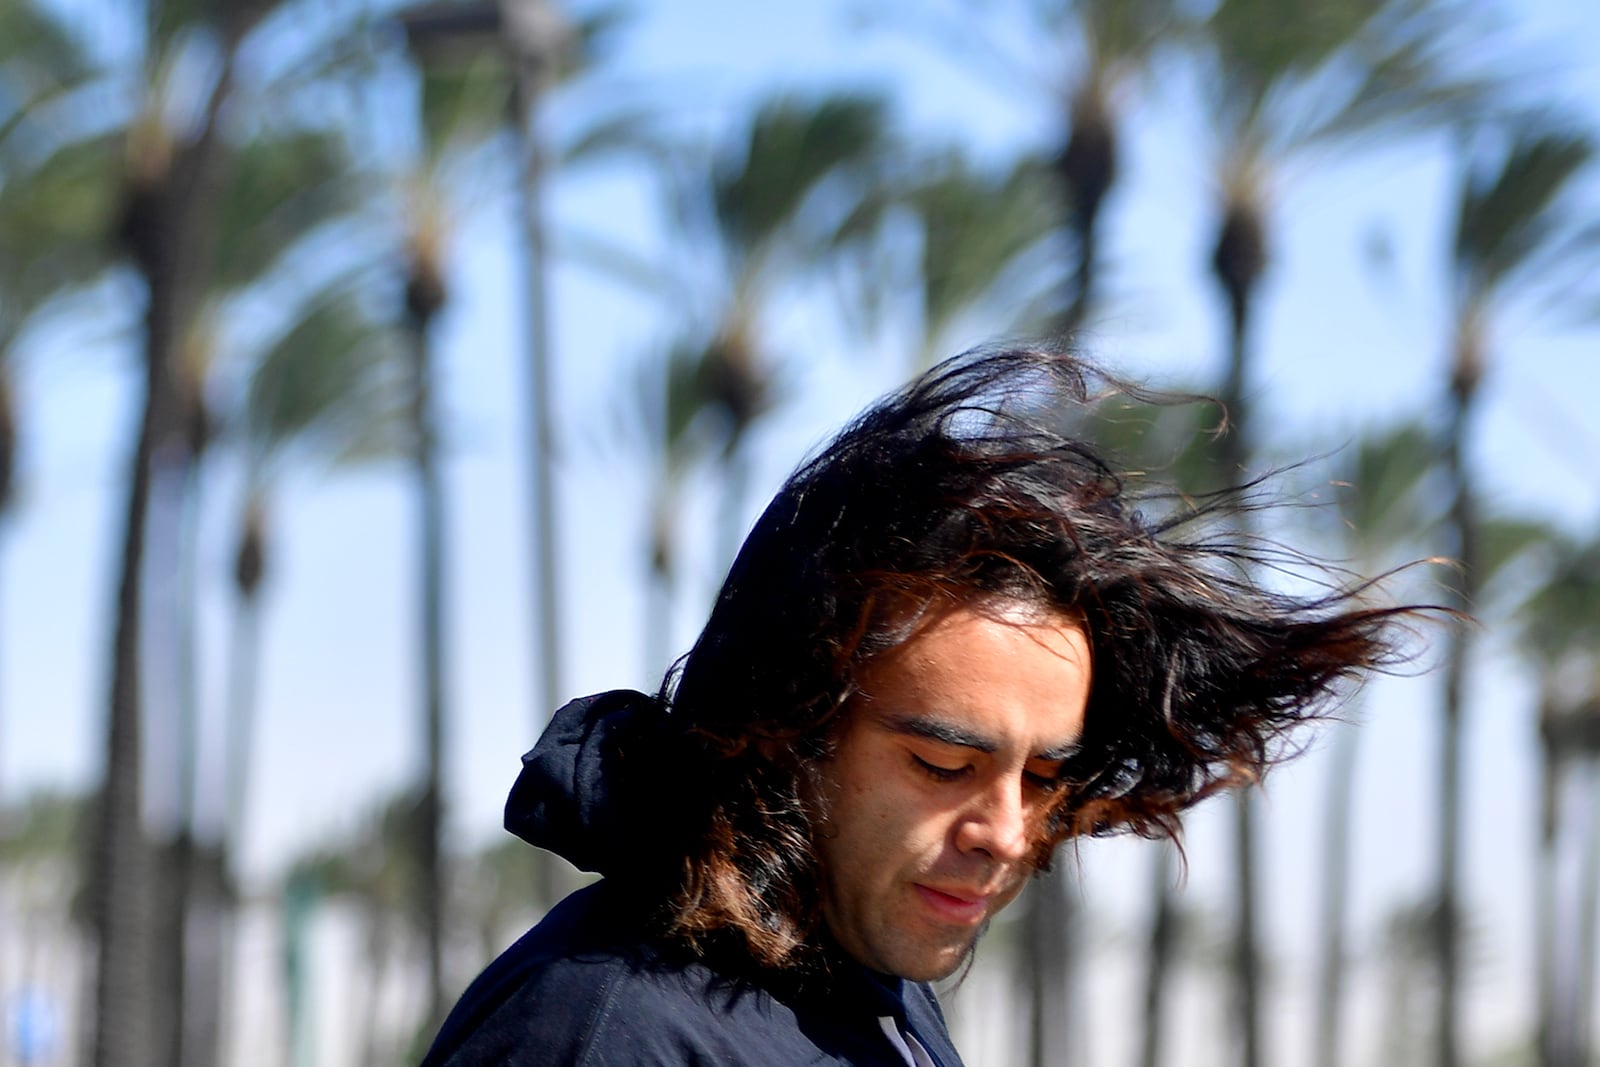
375 378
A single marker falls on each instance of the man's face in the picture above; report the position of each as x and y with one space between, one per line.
936 796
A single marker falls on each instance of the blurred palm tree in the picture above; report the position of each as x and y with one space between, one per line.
55 201
321 390
1275 88
286 193
985 250
1174 445
667 406
1383 516
1117 40
520 52
767 212
1093 51
458 112
1560 634
1514 242
485 67
324 391
215 184
169 175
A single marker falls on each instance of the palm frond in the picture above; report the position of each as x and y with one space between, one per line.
463 104
1125 31
39 60
1382 492
283 186
1341 70
1562 618
974 225
1509 208
330 376
57 215
760 187
1172 445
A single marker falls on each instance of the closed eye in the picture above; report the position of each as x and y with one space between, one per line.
1044 783
937 772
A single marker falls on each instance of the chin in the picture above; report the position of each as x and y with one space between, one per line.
943 963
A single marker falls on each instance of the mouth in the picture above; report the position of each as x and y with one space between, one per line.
960 907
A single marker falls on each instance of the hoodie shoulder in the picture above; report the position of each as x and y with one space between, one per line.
568 994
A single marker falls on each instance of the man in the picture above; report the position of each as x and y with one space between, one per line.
949 644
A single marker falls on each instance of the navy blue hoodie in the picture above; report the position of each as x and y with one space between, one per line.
590 985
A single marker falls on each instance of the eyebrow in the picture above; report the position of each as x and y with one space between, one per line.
949 734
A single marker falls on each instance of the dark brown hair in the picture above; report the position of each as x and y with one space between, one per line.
969 484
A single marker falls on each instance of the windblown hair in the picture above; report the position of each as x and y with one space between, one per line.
961 487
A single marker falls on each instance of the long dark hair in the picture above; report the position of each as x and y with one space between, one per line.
969 484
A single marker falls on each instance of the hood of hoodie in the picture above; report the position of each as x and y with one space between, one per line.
569 798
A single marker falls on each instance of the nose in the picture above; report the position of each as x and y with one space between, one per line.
997 823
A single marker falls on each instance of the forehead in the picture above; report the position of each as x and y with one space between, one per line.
1009 672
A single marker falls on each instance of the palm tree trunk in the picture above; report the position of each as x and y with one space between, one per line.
1545 903
209 934
1246 958
735 488
1087 168
8 462
239 730
218 830
527 84
1238 260
658 624
164 231
1446 924
430 519
122 864
1159 957
541 423
1336 884
1083 277
176 511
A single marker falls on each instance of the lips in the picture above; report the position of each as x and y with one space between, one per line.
953 907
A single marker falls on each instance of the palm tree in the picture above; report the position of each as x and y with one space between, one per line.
1512 242
55 200
285 190
184 179
1116 39
1560 633
320 389
1093 51
1383 514
483 64
528 49
668 405
1276 88
169 180
457 112
770 210
985 250
1176 443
